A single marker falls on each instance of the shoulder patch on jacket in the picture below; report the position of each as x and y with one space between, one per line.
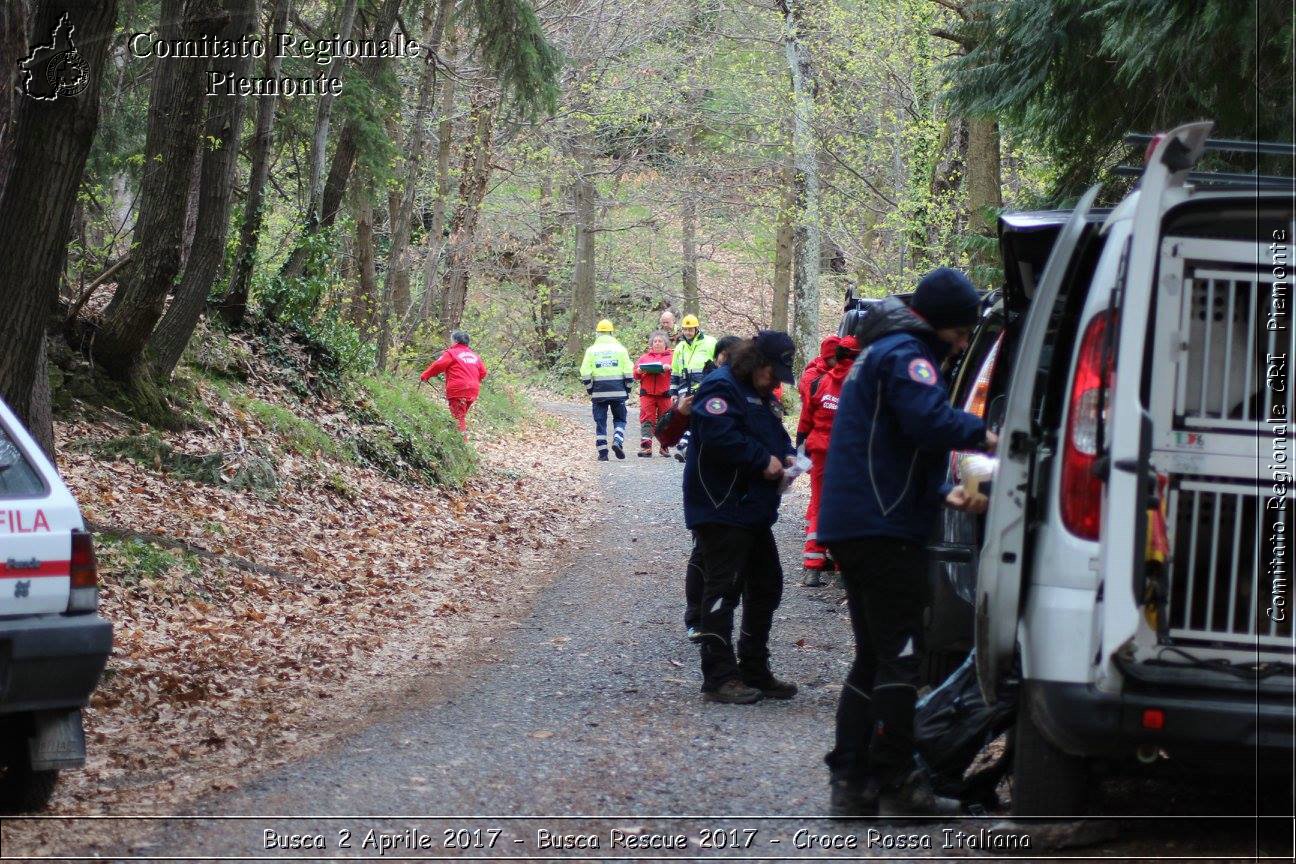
921 370
715 405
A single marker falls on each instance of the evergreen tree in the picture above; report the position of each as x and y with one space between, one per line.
1076 75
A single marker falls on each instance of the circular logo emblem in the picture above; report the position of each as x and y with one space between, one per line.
67 74
716 405
921 370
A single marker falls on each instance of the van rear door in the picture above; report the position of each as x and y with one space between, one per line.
999 577
37 517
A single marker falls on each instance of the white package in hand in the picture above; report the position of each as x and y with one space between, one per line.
800 465
975 469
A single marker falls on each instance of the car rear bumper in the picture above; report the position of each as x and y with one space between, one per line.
1085 721
52 661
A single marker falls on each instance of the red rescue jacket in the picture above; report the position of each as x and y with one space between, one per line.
654 383
818 411
464 371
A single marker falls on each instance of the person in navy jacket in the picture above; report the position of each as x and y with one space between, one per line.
882 490
732 488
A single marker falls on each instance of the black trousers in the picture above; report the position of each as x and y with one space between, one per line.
737 564
693 588
886 591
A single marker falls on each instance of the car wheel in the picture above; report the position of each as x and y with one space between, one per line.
23 790
1046 781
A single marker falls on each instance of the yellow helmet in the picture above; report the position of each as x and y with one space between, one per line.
690 321
605 326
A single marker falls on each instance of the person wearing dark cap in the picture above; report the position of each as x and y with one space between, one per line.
732 488
884 482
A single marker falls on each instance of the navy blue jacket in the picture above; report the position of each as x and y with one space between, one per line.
733 433
891 438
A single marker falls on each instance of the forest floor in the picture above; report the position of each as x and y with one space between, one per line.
256 621
582 718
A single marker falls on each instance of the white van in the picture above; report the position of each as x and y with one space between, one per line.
1126 575
53 644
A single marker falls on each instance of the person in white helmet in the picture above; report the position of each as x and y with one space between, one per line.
607 373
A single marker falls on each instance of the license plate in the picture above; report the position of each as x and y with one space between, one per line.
59 741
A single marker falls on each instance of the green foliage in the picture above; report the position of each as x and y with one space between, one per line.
298 434
253 471
410 437
1076 75
131 560
513 44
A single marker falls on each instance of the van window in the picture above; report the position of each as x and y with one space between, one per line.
18 477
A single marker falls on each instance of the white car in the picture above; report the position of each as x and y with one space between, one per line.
53 644
1125 576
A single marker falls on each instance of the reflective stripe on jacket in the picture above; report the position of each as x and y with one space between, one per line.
688 363
606 371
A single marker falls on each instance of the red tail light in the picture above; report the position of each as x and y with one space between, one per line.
84 571
1081 489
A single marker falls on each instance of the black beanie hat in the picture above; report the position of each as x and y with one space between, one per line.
946 298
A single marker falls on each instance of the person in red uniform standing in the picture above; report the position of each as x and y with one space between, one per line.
818 366
653 372
818 408
464 371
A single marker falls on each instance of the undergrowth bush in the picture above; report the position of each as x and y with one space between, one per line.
298 434
409 436
253 470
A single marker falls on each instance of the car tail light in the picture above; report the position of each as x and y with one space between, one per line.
977 399
1081 488
83 595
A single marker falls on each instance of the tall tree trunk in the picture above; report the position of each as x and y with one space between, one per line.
540 276
581 324
14 39
472 191
806 237
396 284
984 185
688 246
233 306
51 139
323 115
219 161
365 297
175 122
783 255
346 149
436 235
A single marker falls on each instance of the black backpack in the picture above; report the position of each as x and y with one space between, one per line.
952 725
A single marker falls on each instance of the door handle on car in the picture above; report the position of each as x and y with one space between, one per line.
950 553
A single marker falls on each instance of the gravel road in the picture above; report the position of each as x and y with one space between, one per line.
590 709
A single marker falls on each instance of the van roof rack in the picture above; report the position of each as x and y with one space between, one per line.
1219 178
1223 179
1227 145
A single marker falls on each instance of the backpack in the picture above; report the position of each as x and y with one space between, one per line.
952 725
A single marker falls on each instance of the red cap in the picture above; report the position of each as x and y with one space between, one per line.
828 347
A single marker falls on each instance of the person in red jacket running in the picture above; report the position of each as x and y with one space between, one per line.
464 372
818 408
653 372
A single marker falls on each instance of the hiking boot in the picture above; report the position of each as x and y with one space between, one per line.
665 453
811 578
679 456
769 686
619 451
645 454
602 457
733 692
849 799
912 795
